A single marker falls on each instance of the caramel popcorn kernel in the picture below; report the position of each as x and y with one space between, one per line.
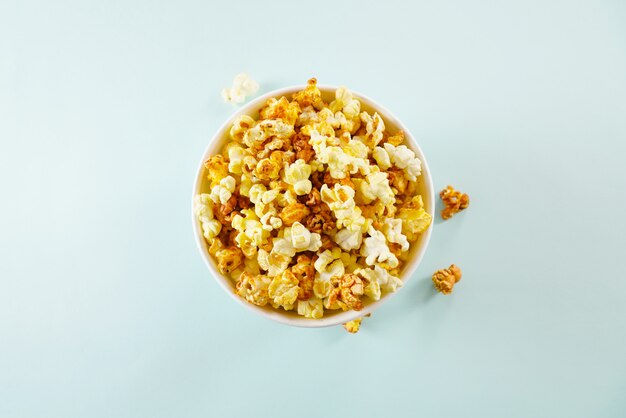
445 279
454 200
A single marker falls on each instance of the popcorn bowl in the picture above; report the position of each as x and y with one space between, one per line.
336 317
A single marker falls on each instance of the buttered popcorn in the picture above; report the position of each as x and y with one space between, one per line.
313 206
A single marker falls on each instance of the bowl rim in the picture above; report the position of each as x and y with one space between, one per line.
342 317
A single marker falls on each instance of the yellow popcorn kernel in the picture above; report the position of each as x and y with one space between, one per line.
307 117
266 129
310 96
375 249
267 169
377 187
216 246
229 259
236 155
256 192
392 228
295 239
311 308
378 280
224 190
357 149
340 163
353 326
245 185
248 165
396 139
253 288
346 293
272 262
347 124
328 265
382 158
402 157
374 128
240 126
203 209
283 290
217 168
281 109
297 174
344 101
414 222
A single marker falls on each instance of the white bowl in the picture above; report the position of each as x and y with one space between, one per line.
330 318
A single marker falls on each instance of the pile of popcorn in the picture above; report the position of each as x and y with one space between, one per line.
313 206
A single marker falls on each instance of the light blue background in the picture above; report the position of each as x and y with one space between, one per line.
107 310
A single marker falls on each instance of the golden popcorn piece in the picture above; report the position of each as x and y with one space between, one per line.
310 96
229 259
396 139
267 169
353 326
414 222
217 168
240 126
294 212
253 288
281 109
454 201
283 290
311 308
445 279
345 293
304 271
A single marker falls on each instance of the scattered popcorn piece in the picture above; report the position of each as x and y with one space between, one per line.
454 200
242 86
353 326
445 279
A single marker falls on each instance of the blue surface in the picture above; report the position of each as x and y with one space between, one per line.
106 309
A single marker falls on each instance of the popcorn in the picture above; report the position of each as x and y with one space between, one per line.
236 154
414 222
224 190
392 228
203 209
240 126
283 290
311 308
217 168
378 279
281 109
229 259
242 86
267 169
374 128
265 129
375 249
404 158
253 288
297 238
273 263
329 265
297 174
346 103
377 187
312 206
